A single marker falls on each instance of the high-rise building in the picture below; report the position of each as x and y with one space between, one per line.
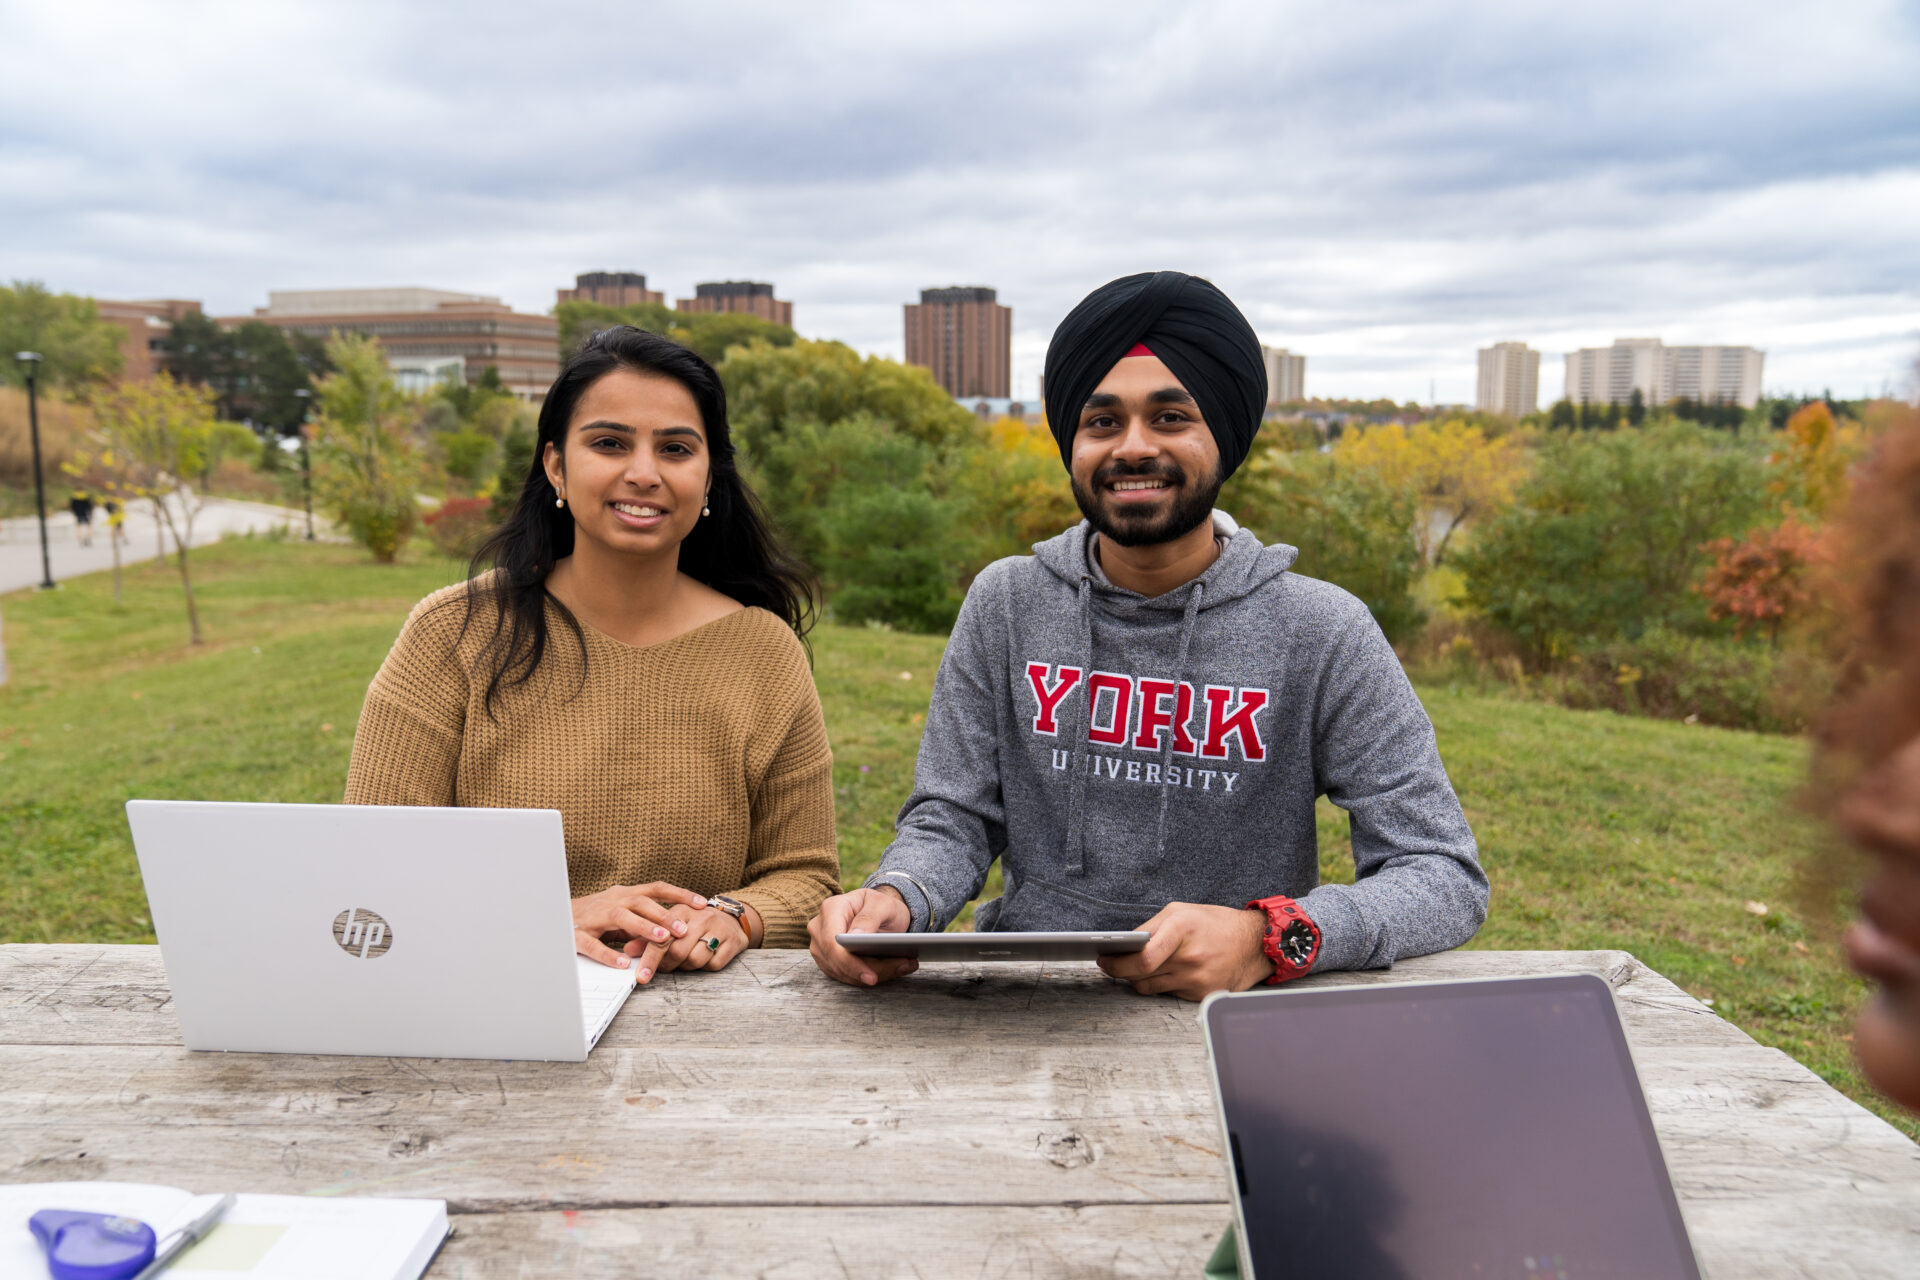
1509 379
432 330
610 288
145 326
1730 375
965 336
750 297
1286 375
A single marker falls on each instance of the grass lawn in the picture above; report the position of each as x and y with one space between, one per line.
1677 843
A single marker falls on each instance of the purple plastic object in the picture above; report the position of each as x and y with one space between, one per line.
92 1246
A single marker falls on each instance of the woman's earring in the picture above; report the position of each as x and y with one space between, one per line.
705 510
559 502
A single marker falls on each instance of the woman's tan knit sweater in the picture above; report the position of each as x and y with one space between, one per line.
701 761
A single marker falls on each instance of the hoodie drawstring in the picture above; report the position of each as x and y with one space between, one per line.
1173 730
1077 786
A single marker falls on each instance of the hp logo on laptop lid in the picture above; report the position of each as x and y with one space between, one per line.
362 933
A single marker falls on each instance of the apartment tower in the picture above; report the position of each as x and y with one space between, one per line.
1286 375
1727 375
749 297
1509 379
610 288
965 336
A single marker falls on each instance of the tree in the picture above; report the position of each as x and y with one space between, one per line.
1604 540
1563 415
1636 408
255 370
769 389
1456 471
365 467
1762 580
712 335
78 349
1811 460
1352 528
162 438
516 464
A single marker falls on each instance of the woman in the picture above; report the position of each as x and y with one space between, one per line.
1870 746
632 660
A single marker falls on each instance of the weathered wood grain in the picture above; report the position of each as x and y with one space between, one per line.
118 995
988 1120
1152 1242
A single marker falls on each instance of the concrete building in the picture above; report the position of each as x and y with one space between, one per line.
422 329
1730 375
143 349
750 297
1509 379
1286 375
992 408
965 336
610 288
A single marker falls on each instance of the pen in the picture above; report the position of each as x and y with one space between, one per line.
177 1240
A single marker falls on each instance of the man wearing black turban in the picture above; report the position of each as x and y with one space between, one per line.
1138 719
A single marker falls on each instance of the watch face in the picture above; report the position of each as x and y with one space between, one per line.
1296 943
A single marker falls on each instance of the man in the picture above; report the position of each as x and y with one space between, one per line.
1137 719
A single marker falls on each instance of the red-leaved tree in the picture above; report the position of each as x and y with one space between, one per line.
1762 580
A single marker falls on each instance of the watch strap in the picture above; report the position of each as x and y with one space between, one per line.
1285 916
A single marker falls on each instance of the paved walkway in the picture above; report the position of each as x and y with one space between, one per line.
20 538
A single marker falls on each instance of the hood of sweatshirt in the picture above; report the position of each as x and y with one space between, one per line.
1242 568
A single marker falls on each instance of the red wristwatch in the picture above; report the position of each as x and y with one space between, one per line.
1292 941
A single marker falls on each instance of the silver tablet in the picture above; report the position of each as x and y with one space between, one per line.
958 947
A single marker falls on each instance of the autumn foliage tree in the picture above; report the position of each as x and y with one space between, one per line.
1763 580
160 440
1457 473
1811 462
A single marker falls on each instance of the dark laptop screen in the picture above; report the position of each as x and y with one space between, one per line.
1482 1129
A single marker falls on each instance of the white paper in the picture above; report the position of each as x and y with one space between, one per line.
320 1237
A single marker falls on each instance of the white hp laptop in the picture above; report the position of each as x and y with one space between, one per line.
376 930
1485 1128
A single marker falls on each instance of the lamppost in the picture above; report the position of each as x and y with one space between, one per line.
305 397
30 366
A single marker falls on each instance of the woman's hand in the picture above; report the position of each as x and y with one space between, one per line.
691 949
643 913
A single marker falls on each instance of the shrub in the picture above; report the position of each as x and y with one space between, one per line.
459 525
1352 528
1701 679
868 508
516 464
1605 541
465 454
364 469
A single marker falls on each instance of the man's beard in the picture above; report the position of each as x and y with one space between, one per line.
1128 528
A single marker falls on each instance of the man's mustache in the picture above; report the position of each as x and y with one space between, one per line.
1112 471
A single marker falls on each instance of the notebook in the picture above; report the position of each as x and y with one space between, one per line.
260 1237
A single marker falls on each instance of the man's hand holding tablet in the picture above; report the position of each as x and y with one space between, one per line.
880 910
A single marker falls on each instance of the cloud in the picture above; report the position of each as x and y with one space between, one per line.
1383 186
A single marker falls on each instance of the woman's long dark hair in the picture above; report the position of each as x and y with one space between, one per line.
732 550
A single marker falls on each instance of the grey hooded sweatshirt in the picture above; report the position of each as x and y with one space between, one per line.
1119 752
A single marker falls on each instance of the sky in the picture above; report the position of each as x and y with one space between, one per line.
1384 186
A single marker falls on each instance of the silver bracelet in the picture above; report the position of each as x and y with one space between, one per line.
925 896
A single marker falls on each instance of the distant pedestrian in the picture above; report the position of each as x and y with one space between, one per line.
116 520
82 507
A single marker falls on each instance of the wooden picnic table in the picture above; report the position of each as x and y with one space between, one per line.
995 1120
